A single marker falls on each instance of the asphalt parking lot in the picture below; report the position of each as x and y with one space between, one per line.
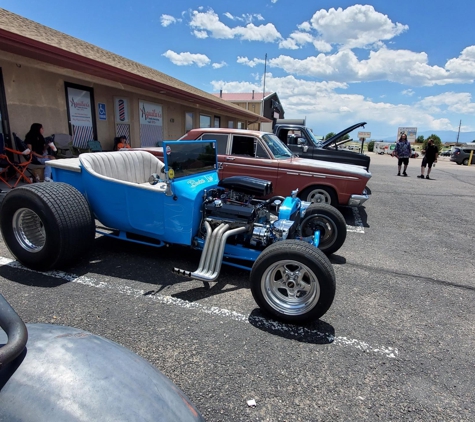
397 344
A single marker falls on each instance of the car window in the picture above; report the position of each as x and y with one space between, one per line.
220 138
278 149
261 152
316 141
243 145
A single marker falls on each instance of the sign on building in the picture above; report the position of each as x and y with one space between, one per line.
102 111
151 129
81 113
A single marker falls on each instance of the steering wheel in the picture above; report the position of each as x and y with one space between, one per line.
154 179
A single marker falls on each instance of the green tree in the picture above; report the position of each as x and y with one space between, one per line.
420 139
437 142
329 135
370 146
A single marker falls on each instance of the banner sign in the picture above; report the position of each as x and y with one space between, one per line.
364 135
79 102
151 121
150 113
411 133
81 114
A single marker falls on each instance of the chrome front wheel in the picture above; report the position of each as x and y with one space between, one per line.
291 288
293 281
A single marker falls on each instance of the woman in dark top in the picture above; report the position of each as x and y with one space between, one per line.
36 142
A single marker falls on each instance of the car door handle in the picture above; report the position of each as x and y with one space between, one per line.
230 158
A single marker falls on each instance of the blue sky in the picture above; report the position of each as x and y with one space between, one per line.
389 63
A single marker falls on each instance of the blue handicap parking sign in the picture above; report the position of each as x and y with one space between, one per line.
102 111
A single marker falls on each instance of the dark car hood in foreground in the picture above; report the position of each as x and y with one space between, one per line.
326 143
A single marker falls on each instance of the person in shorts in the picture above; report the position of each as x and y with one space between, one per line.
402 152
430 157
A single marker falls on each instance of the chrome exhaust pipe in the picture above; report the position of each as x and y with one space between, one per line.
213 251
215 269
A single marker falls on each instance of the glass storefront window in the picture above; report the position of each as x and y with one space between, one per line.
205 121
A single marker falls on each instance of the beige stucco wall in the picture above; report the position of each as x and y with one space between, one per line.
35 93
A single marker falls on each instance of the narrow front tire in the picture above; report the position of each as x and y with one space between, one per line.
293 281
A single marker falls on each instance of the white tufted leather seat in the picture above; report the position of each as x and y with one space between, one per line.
127 166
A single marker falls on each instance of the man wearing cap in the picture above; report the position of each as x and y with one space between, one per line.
430 157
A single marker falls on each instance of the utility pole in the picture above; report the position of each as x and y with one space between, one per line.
458 134
264 91
265 71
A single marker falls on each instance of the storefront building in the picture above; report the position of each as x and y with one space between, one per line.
70 86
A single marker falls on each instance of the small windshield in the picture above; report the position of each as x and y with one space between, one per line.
279 150
187 158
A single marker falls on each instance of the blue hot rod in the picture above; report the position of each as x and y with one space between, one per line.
136 197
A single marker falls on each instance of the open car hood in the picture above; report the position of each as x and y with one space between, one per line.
335 138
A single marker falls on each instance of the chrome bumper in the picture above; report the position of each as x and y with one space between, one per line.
357 200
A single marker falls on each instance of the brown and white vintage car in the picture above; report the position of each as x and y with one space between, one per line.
263 155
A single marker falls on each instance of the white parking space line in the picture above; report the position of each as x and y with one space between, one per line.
270 325
359 226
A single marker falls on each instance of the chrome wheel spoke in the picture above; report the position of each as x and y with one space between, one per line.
28 229
291 287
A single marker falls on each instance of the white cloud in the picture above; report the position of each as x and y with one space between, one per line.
464 65
296 40
399 66
187 59
305 26
166 20
457 102
200 34
245 17
324 104
209 23
322 46
219 65
408 92
356 26
251 63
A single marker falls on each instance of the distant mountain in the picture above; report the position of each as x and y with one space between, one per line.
444 135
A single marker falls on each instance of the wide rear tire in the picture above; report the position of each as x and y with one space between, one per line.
293 281
47 226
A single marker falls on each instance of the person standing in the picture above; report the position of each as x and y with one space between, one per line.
402 153
431 154
36 142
